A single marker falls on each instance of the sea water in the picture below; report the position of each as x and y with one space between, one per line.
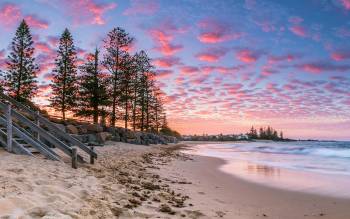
308 166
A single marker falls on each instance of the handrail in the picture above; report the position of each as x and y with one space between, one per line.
51 126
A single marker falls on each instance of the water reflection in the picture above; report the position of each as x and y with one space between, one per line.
267 171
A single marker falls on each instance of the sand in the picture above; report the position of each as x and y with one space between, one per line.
129 181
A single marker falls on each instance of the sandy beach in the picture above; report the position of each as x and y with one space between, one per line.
130 181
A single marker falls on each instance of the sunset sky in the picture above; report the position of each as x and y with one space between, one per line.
224 65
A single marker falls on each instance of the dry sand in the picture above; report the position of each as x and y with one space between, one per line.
130 181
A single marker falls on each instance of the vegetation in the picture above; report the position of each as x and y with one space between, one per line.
20 77
64 85
265 134
120 87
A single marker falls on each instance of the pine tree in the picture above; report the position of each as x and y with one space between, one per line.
144 67
126 89
64 86
92 95
116 43
20 77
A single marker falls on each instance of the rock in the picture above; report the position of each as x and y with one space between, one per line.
71 129
166 209
116 137
92 138
94 128
130 134
82 129
103 137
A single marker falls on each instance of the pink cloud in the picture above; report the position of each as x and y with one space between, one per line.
166 62
346 4
211 55
298 30
43 47
295 20
168 49
215 32
282 58
10 15
247 56
35 22
88 11
318 67
163 74
163 35
189 70
340 55
145 7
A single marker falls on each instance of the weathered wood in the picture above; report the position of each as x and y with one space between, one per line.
46 151
17 148
37 135
92 159
44 134
51 126
9 127
74 157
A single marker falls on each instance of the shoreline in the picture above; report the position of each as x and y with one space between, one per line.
133 181
219 194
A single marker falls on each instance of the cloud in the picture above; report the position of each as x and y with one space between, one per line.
43 47
298 30
163 35
211 55
166 62
318 67
88 11
247 55
163 74
215 32
35 22
346 4
281 58
144 7
295 20
11 14
340 55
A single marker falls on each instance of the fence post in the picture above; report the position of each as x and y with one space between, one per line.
9 127
92 160
38 124
74 158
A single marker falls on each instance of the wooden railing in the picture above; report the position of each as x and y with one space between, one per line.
47 135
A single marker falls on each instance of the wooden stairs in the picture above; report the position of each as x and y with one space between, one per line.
23 131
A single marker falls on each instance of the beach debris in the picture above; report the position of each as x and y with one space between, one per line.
166 209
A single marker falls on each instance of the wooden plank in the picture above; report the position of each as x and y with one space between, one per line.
44 134
9 127
51 126
92 160
74 157
40 147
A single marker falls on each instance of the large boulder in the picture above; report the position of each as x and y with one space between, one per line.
71 129
94 128
116 137
82 129
102 137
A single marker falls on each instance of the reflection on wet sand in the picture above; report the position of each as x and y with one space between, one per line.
263 170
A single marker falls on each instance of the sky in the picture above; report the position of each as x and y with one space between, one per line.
223 65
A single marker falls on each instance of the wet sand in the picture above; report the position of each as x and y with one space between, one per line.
130 181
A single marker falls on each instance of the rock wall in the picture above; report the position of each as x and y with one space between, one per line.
97 135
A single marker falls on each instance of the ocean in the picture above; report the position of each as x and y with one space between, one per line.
309 166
